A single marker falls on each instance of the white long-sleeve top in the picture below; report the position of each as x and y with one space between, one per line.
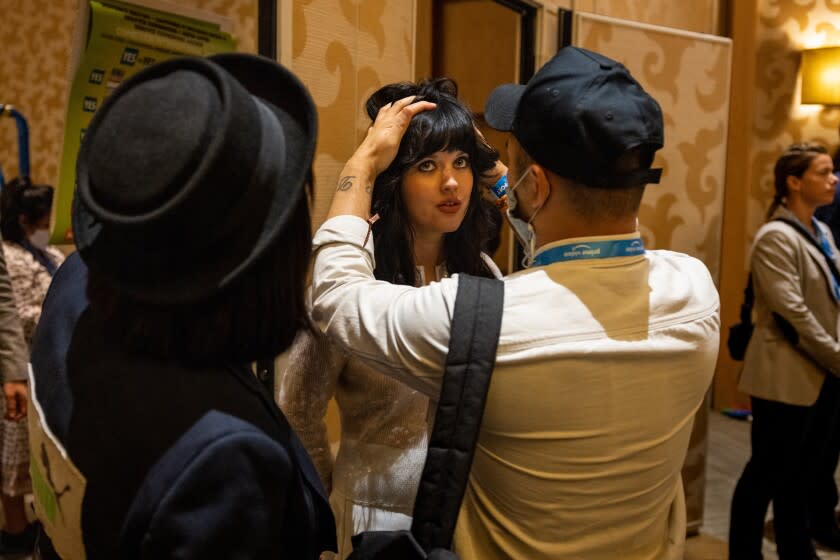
384 431
601 365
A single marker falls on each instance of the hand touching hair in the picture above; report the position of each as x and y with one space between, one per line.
427 90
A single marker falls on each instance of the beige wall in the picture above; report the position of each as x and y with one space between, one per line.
423 40
696 15
783 30
343 51
689 75
34 79
36 36
766 117
370 40
701 16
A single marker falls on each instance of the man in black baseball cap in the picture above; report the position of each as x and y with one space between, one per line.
578 115
606 349
586 121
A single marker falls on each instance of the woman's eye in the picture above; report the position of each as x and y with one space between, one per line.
462 162
427 165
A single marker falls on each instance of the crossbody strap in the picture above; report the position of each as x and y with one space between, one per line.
474 336
749 296
807 235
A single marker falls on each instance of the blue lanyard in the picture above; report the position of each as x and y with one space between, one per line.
826 248
591 250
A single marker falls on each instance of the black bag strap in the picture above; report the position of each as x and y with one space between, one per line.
749 298
476 324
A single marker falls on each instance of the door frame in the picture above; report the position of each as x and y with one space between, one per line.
527 36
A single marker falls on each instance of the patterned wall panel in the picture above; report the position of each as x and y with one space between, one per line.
343 51
698 15
689 75
783 30
36 36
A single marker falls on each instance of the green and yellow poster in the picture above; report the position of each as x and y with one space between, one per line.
122 39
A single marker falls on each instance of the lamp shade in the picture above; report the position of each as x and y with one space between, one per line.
821 76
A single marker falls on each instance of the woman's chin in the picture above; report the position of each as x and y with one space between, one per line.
453 226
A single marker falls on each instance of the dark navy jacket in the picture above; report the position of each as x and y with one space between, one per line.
830 213
180 462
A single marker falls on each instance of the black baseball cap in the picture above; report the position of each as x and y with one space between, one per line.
577 115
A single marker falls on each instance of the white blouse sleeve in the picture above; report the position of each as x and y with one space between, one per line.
400 330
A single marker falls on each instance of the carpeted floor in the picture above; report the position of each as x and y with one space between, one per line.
729 449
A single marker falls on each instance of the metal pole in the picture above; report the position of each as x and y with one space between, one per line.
23 137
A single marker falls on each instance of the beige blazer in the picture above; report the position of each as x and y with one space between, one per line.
790 276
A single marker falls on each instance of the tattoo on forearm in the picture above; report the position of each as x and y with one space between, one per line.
345 183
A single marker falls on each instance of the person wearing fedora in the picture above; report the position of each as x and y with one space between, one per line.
606 348
151 436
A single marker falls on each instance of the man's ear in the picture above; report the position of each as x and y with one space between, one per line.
542 185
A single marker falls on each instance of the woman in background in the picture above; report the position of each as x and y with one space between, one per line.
25 224
432 223
792 352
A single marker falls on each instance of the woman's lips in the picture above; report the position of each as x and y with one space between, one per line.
449 207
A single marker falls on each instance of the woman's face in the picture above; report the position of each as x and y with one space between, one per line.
436 191
816 186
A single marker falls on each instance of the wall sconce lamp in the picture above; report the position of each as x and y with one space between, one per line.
821 76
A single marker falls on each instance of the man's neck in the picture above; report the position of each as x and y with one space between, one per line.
567 227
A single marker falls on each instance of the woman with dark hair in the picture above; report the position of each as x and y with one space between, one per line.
31 262
431 223
792 352
25 224
154 438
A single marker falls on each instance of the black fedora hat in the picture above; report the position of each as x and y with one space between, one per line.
189 171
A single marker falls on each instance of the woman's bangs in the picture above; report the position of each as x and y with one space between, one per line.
447 128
